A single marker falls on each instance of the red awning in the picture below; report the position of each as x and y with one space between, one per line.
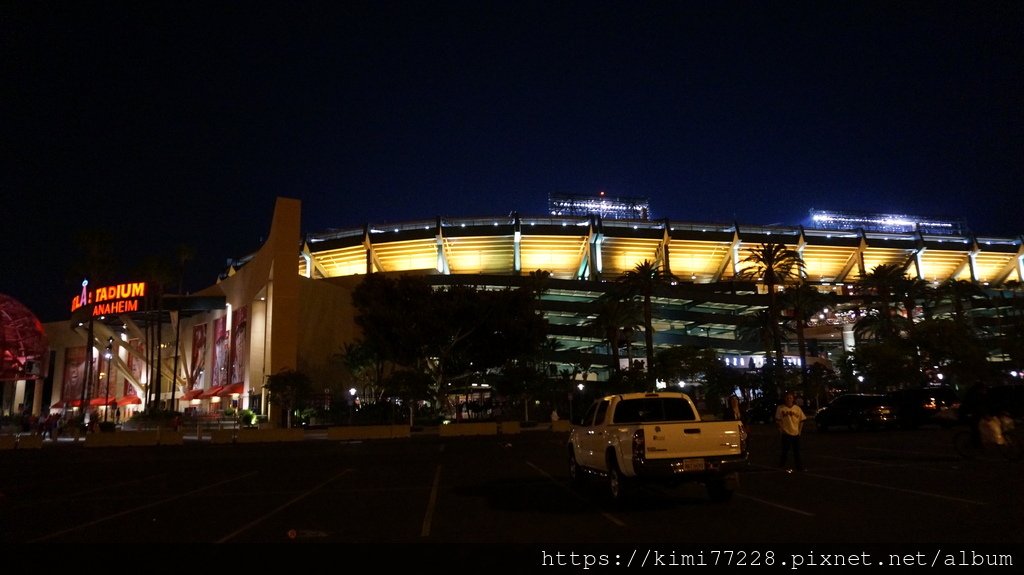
192 394
66 404
130 400
97 401
212 392
232 389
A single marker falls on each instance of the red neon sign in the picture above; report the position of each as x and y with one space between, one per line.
111 300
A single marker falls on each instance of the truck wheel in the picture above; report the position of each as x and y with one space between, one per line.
575 471
719 490
617 483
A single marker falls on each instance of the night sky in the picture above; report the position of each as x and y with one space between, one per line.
173 123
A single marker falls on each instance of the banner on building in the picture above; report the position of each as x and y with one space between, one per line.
219 377
195 375
239 344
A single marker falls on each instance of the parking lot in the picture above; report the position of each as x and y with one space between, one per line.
868 488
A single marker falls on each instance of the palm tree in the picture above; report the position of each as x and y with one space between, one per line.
157 274
881 289
959 294
185 254
914 291
755 327
615 318
642 281
773 264
96 265
804 301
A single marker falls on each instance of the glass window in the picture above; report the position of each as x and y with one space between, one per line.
588 417
651 409
602 411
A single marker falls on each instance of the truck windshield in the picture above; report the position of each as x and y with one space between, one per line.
649 409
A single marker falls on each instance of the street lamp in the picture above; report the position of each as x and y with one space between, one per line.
108 354
352 403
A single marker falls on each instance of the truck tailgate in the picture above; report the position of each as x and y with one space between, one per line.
698 439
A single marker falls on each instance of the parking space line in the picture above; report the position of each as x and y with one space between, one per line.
850 459
428 517
141 507
905 451
938 465
79 495
615 520
309 492
891 488
773 504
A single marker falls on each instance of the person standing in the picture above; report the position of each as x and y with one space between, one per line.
734 412
975 407
790 420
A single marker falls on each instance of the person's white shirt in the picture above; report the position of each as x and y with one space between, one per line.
789 418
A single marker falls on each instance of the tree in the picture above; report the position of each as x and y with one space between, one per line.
289 389
522 380
393 315
410 387
158 274
185 254
686 363
883 365
880 289
96 264
773 264
891 298
615 320
366 367
804 301
759 326
959 294
953 347
642 281
449 333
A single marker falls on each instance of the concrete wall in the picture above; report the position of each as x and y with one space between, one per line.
20 442
462 429
345 433
142 438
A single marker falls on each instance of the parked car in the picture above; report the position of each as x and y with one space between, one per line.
856 411
917 406
1008 399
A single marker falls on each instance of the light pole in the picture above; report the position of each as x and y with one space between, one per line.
108 355
580 387
351 403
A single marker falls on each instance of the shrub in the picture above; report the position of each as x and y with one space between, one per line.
246 417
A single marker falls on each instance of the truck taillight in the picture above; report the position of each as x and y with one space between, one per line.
639 444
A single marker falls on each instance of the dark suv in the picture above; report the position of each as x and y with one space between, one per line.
856 411
917 406
1008 399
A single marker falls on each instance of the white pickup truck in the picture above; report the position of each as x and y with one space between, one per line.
655 438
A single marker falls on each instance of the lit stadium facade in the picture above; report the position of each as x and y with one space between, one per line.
584 253
283 307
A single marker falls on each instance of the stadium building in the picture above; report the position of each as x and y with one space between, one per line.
288 305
